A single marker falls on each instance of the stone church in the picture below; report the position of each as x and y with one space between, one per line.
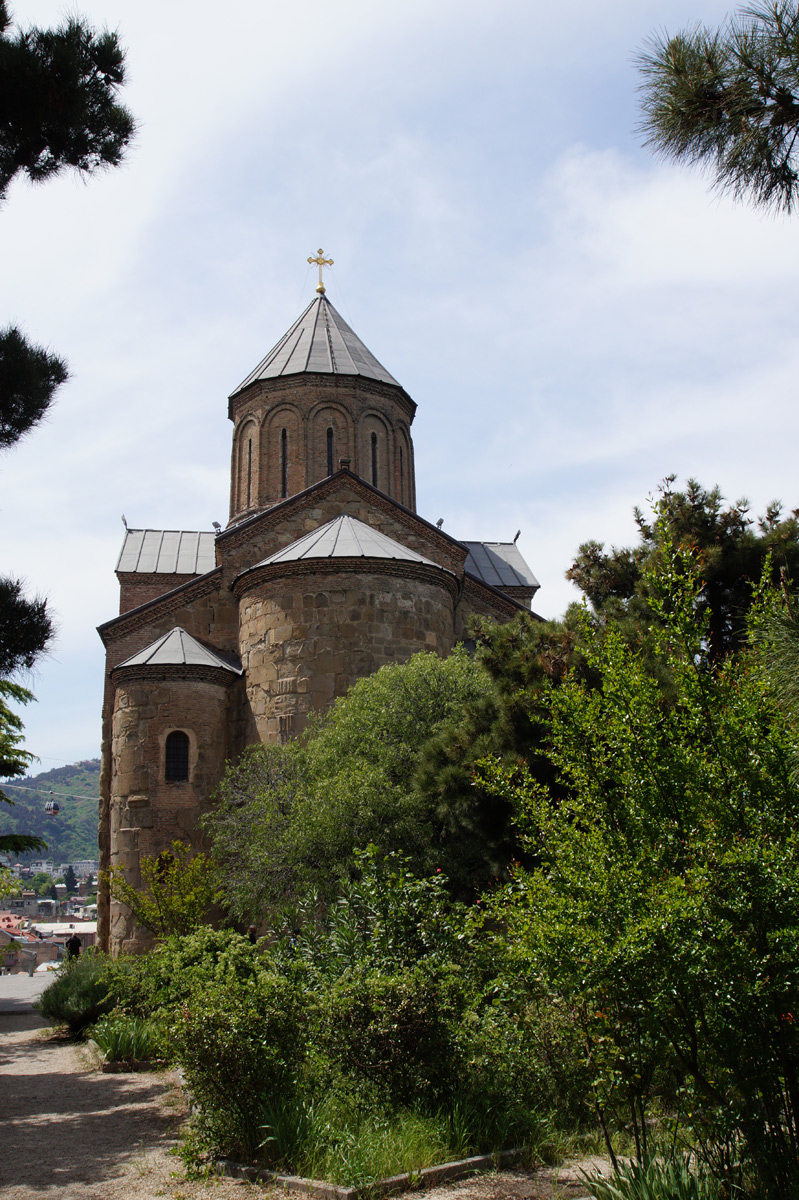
324 573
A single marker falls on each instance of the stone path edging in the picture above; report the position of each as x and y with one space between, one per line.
426 1177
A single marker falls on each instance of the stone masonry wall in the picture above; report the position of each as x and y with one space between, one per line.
146 813
308 635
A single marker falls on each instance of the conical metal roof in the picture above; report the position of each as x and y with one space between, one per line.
345 537
178 648
319 341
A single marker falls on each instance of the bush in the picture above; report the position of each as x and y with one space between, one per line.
78 996
241 1045
156 983
395 1031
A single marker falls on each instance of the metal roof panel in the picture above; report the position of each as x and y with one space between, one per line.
179 648
345 537
499 564
319 340
168 552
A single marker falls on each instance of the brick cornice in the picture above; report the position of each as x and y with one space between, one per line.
318 383
308 568
187 672
155 577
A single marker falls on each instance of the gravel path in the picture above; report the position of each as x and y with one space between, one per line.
72 1132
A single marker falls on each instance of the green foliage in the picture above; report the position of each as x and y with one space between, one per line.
241 1045
656 1179
13 759
124 1038
290 817
665 912
349 1146
58 108
26 627
180 890
731 551
78 995
14 762
157 983
406 1042
395 1032
58 100
386 917
9 885
728 99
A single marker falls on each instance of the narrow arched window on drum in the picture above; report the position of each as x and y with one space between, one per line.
176 764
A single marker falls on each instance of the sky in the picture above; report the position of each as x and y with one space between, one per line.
574 318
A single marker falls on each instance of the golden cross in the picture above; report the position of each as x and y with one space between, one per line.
321 262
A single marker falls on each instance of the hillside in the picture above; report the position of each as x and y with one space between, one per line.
73 833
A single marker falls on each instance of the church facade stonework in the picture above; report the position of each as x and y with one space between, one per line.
324 574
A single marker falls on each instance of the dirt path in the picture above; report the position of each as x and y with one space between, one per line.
72 1132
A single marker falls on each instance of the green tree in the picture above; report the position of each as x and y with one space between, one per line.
70 880
14 761
291 817
525 658
177 893
42 884
728 99
731 550
664 913
58 109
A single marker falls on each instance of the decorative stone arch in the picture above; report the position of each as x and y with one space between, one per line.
330 438
404 471
246 462
283 454
375 451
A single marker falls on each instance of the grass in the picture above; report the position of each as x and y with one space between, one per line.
124 1038
343 1141
656 1179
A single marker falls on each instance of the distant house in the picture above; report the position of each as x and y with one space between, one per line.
24 952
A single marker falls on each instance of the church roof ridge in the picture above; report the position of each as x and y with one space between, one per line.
345 537
320 341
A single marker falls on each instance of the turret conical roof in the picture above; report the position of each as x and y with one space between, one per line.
320 340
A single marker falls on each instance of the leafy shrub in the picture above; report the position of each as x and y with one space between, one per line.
655 1179
241 1045
396 1031
78 996
125 1038
156 983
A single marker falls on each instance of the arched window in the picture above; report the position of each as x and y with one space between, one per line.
284 464
176 757
249 472
374 460
330 451
402 479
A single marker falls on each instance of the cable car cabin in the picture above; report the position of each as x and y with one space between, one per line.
52 808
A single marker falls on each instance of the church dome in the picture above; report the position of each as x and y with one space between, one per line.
317 402
319 341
